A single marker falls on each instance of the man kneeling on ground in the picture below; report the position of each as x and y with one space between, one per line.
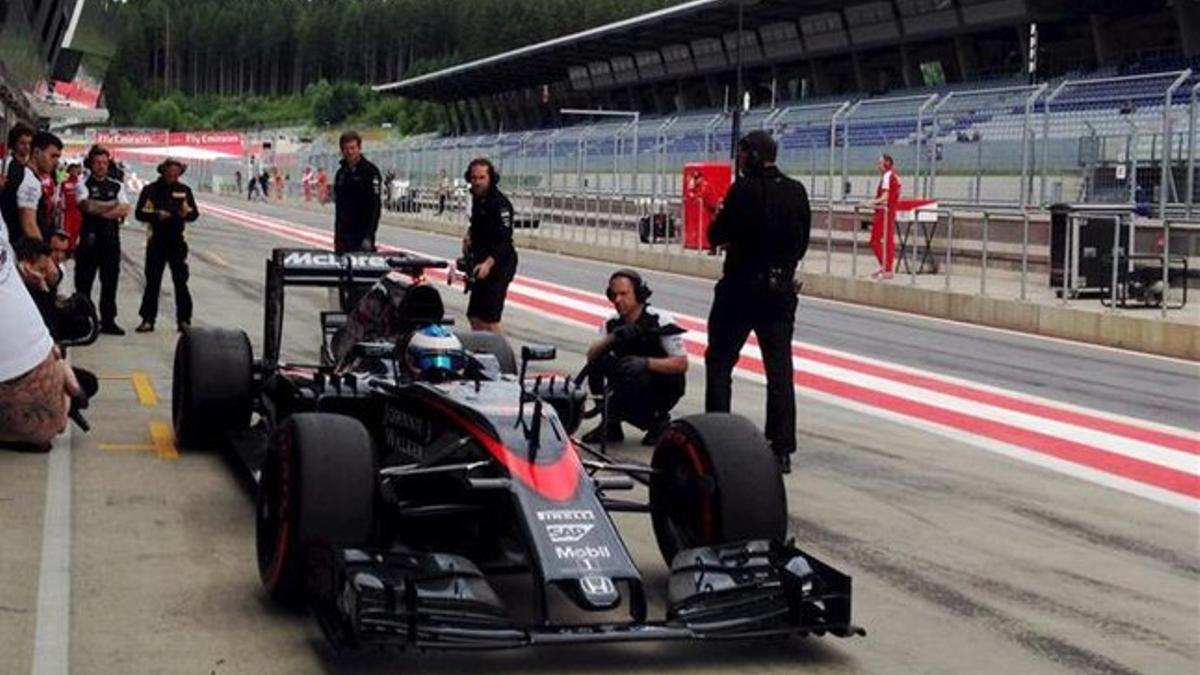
640 361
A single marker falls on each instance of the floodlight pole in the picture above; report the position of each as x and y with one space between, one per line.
736 127
637 116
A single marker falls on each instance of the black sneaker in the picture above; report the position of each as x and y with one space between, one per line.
145 326
597 435
111 328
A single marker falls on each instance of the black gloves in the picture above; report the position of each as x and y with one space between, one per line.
632 366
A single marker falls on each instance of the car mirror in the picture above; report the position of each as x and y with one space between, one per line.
539 353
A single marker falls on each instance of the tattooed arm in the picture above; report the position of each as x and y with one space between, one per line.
33 407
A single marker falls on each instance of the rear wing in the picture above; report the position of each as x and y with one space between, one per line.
323 268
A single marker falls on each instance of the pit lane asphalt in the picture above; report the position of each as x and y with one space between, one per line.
963 561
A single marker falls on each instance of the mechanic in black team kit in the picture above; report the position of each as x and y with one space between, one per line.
104 204
357 189
640 360
166 205
764 226
489 246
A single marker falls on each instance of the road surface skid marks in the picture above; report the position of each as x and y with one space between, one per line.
1151 460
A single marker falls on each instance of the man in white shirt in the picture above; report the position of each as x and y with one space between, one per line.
36 385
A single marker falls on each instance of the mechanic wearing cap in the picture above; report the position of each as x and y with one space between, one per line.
104 204
489 244
764 228
357 190
641 361
166 205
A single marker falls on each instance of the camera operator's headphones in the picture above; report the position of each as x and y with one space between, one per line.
759 147
483 161
641 291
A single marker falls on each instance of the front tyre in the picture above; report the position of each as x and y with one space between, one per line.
716 482
317 489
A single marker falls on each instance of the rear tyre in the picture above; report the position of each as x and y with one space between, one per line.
716 482
483 342
211 386
317 490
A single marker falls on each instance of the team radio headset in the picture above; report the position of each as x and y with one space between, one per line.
641 291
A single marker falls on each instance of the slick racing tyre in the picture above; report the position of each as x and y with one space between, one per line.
317 490
483 342
211 386
715 482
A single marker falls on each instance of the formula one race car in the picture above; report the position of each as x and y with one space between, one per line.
402 485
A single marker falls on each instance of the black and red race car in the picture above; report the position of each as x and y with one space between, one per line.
403 510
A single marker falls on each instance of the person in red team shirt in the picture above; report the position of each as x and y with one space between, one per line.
883 226
72 216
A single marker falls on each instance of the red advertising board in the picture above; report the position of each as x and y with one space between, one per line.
227 142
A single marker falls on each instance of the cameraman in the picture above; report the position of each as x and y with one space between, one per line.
489 246
764 227
640 360
166 205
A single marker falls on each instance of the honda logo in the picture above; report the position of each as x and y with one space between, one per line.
597 585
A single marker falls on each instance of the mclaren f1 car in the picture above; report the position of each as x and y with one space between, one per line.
402 483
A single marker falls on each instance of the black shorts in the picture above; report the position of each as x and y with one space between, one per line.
487 298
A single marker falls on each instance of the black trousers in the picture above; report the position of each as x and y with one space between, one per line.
163 250
735 312
99 252
641 400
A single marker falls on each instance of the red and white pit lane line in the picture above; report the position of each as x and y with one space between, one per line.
1151 460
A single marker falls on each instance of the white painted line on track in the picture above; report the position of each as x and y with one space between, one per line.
51 636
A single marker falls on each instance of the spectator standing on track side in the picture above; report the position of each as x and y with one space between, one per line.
764 225
104 203
322 186
489 244
72 216
306 183
40 225
883 225
167 205
251 187
279 184
443 191
264 183
358 189
642 368
237 179
20 138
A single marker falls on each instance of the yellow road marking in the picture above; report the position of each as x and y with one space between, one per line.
145 390
126 447
164 440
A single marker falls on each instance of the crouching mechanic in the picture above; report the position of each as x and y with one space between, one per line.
640 361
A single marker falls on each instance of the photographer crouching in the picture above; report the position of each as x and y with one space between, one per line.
488 250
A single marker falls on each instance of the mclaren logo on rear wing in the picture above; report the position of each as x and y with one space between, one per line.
317 267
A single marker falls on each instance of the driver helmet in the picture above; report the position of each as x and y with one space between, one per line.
435 354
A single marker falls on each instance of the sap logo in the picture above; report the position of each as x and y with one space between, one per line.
567 515
567 534
315 259
582 552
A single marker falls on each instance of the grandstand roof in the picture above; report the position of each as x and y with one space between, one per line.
547 62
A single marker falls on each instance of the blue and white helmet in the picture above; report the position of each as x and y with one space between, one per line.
435 354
